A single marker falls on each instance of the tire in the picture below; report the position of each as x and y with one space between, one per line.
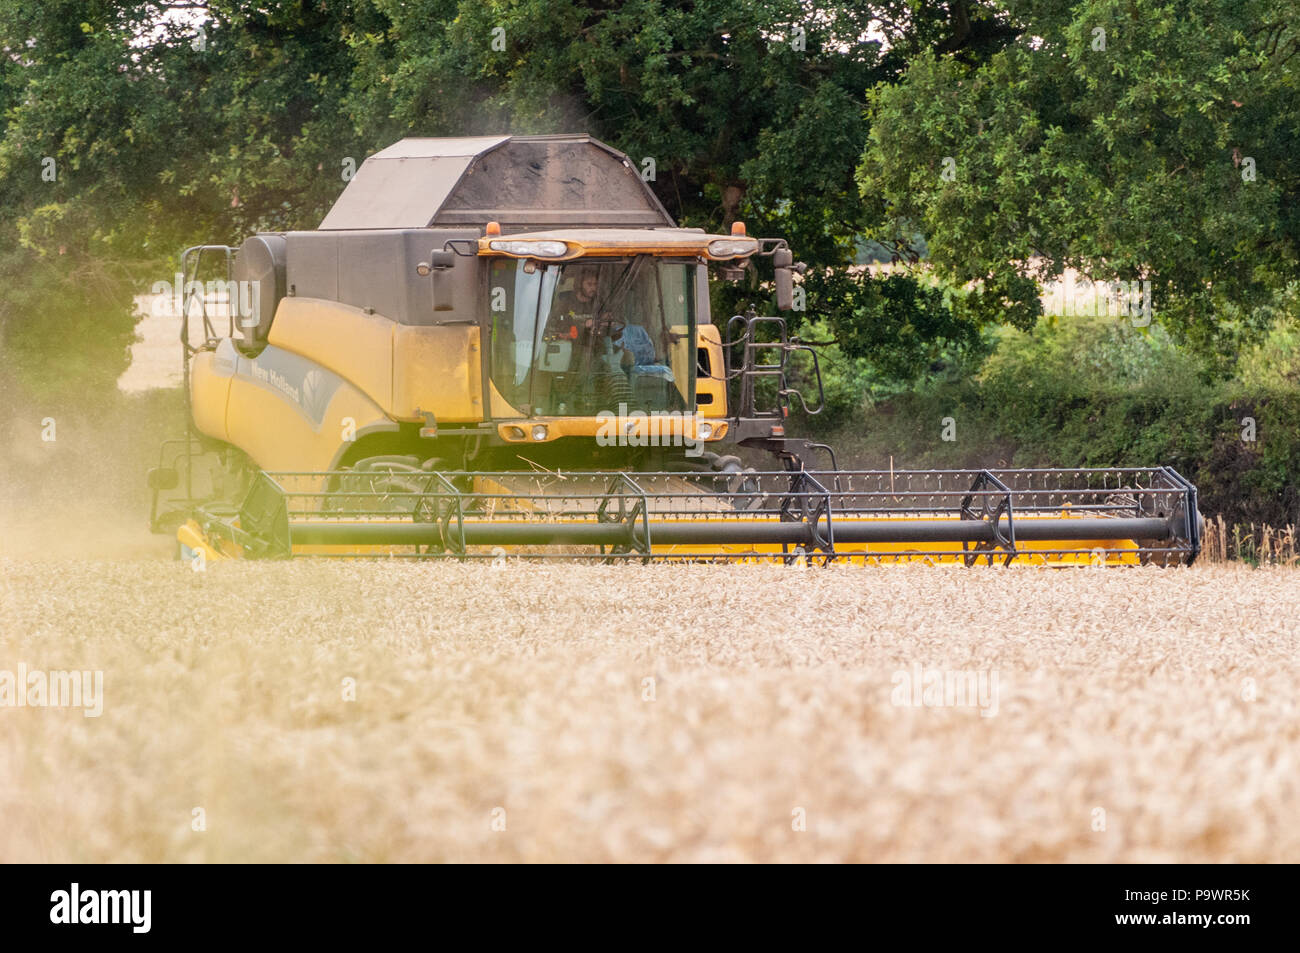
737 483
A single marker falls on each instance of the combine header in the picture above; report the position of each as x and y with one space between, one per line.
1053 517
501 346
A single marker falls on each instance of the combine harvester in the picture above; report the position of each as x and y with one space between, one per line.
503 346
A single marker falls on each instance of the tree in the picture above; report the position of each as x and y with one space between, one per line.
1130 139
133 130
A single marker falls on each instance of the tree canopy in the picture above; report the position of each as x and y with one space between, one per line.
1129 139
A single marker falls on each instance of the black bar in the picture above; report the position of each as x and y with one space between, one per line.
344 904
325 533
706 532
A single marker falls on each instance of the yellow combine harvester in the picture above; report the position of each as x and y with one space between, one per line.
503 345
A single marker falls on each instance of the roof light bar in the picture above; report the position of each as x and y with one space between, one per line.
725 248
542 249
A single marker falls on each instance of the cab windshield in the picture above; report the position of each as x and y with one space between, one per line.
584 337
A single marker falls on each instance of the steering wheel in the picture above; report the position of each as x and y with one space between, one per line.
607 324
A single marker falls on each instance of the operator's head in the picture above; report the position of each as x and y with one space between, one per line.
587 283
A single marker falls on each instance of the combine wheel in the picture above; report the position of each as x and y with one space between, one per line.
391 482
393 486
737 482
729 478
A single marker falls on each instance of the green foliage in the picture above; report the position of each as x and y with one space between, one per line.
1075 357
1124 162
849 384
896 323
1272 366
71 301
157 140
1097 392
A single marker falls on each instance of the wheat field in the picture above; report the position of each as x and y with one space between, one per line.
385 711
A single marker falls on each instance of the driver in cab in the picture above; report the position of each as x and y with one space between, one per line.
576 308
578 319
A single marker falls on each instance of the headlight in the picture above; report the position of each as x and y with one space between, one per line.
531 249
539 431
732 248
515 433
704 431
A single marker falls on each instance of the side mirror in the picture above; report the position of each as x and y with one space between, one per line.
439 265
163 478
783 262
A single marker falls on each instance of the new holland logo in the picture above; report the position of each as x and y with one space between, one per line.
314 394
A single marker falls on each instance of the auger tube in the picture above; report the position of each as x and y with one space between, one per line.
722 532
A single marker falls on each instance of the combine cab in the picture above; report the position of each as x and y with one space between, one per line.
502 346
